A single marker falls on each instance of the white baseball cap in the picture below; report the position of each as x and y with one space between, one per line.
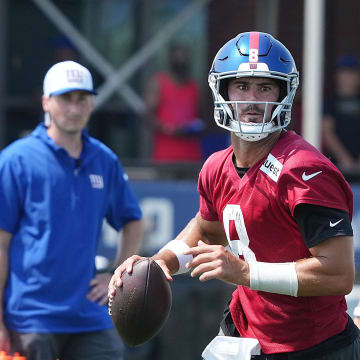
67 76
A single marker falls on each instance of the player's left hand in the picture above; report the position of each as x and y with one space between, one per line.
99 288
215 262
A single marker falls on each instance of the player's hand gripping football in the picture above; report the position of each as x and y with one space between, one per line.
215 262
127 266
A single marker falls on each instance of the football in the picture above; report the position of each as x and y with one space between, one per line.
142 305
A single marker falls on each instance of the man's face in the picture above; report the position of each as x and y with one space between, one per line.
253 89
179 61
348 81
69 112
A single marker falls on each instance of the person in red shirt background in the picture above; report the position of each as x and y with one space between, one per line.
172 100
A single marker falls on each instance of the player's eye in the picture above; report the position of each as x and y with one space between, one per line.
242 86
266 88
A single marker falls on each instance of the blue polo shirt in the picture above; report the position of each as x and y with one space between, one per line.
54 206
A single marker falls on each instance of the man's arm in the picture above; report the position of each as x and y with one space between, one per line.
330 270
5 239
211 232
132 235
333 143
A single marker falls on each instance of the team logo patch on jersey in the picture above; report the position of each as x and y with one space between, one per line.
272 167
97 181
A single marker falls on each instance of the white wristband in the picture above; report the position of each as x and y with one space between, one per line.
356 311
278 278
178 247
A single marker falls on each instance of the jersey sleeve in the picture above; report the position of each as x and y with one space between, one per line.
123 205
12 191
317 183
207 208
315 226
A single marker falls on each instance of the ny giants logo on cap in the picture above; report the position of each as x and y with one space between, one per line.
74 75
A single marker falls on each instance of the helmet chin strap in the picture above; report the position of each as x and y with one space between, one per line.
251 137
250 131
248 134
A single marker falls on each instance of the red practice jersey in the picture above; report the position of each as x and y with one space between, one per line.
257 213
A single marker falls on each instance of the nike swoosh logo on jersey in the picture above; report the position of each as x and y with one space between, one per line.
335 223
308 177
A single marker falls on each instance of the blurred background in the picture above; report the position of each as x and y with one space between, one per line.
125 43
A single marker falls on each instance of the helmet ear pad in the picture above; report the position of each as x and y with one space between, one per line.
221 116
223 88
283 89
223 91
283 93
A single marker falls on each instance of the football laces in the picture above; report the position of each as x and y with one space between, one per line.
110 304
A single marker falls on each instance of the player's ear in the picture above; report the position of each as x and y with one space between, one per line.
45 103
92 102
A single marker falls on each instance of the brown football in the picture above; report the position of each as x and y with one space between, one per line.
142 305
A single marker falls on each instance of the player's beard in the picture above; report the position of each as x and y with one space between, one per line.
70 125
252 108
253 119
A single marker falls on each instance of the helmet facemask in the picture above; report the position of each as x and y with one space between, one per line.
227 118
253 54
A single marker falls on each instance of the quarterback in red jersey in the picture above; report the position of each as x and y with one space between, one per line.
274 219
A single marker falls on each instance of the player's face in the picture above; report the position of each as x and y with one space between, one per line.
69 112
253 89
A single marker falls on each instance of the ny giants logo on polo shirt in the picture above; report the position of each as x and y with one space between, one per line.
97 181
74 75
272 167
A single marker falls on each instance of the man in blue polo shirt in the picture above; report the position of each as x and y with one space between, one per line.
56 187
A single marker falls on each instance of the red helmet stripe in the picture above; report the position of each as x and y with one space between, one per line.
253 47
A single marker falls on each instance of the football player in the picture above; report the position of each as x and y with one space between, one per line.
282 209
